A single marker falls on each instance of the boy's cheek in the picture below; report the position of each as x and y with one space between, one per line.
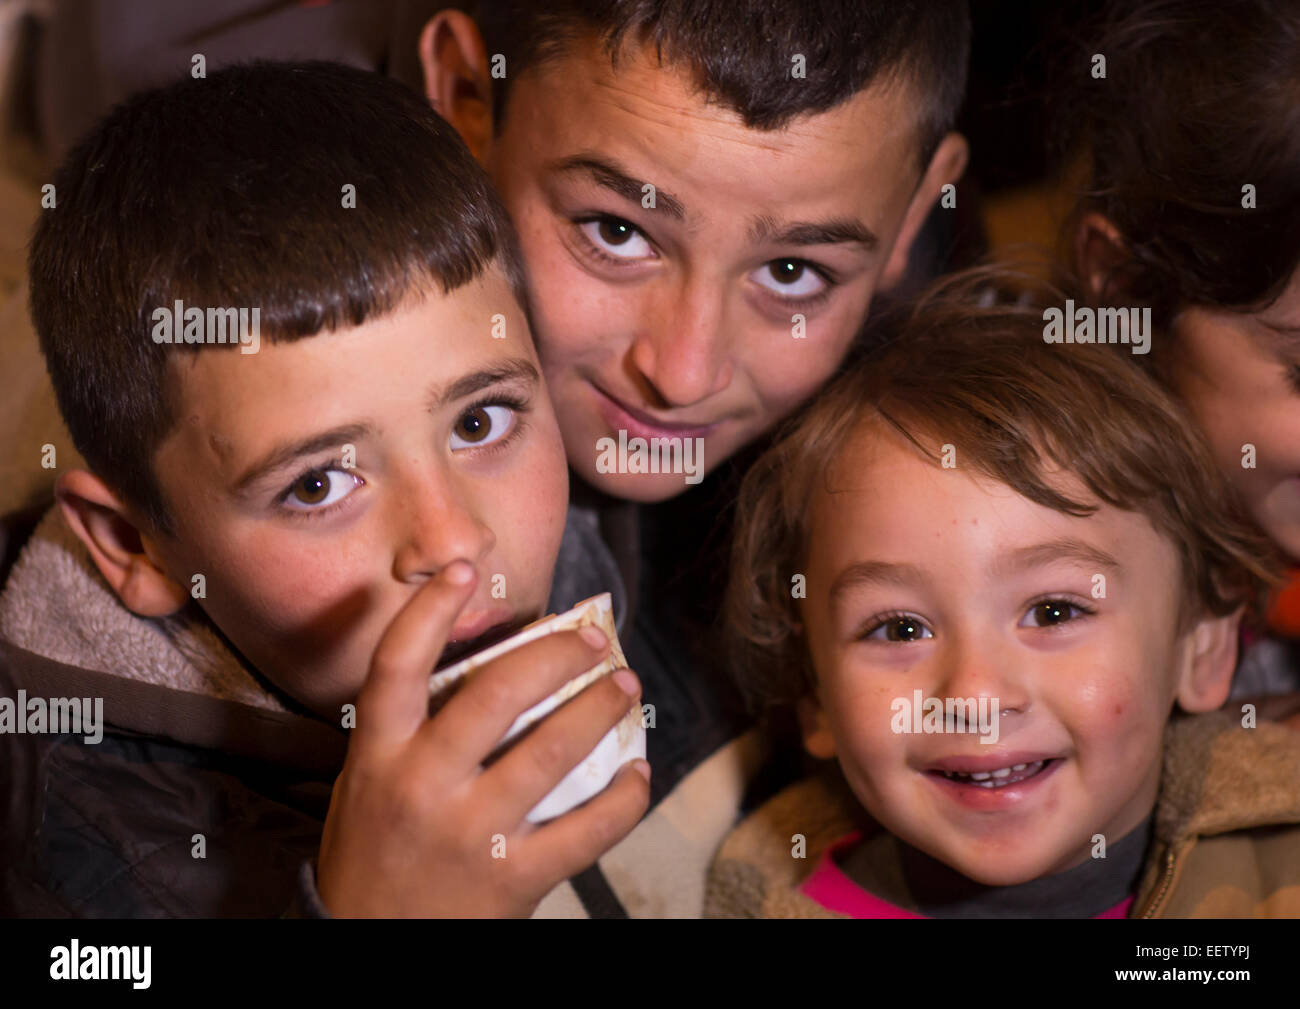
862 714
535 499
1114 720
288 584
587 325
574 313
295 617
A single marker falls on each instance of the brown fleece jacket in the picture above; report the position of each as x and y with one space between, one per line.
1226 841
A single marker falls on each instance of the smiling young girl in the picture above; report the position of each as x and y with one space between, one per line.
1035 529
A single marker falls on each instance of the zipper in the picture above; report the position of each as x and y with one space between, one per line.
1168 879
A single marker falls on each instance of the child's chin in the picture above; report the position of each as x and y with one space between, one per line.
644 488
1007 867
992 875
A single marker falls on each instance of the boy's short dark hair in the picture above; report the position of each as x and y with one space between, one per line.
1019 411
741 51
229 191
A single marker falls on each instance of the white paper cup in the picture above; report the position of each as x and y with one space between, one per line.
623 742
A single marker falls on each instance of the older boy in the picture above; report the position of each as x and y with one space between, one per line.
708 195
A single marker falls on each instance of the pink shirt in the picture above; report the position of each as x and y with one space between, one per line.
833 890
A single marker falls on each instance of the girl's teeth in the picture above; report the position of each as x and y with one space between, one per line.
997 779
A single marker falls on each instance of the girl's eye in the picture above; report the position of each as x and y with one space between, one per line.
481 425
789 278
1051 612
900 628
618 238
320 488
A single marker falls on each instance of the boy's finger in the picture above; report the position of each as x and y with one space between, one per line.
571 843
394 701
557 744
474 721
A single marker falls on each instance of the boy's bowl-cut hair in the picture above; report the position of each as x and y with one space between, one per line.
741 52
1016 408
228 191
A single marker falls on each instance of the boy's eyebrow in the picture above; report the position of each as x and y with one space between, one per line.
611 176
1055 550
282 455
888 573
874 573
515 368
832 232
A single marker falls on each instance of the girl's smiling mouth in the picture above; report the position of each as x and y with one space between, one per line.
999 778
993 783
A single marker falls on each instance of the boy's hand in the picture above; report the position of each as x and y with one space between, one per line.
413 815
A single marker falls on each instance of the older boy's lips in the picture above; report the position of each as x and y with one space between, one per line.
620 416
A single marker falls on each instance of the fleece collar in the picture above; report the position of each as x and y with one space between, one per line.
56 605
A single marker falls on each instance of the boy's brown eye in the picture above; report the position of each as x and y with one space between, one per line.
474 425
483 425
903 629
1052 612
900 629
786 271
312 488
615 232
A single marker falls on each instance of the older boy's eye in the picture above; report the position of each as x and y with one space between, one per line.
790 278
617 237
902 628
481 425
1051 612
320 488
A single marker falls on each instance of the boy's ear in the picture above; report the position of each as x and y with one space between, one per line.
117 547
946 165
456 78
1099 252
817 738
1208 663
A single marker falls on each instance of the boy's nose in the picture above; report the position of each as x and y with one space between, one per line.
435 525
970 669
683 348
